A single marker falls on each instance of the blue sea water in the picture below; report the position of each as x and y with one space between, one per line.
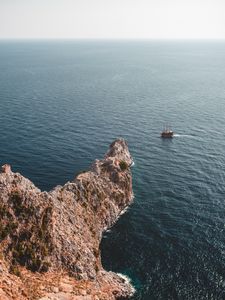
63 102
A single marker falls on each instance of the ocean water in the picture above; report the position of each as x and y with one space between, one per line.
63 102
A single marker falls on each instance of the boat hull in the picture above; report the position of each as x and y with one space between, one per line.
167 135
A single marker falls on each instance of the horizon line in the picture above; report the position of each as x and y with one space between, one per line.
107 39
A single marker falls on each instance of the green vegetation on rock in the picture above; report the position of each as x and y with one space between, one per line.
123 165
29 237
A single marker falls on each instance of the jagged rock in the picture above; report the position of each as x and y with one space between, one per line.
47 235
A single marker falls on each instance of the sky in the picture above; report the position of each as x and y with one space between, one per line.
112 19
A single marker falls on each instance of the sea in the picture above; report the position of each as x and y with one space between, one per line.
62 102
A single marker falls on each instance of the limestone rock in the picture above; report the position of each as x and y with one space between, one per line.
49 241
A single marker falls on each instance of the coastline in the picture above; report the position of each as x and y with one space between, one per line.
61 230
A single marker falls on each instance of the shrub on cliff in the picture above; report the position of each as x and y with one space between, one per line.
14 270
123 165
28 234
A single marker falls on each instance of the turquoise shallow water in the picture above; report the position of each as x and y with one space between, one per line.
61 105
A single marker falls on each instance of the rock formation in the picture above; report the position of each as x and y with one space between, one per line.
49 241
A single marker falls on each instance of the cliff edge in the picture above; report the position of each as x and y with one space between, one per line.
49 241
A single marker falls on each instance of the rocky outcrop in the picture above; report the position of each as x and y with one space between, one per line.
50 240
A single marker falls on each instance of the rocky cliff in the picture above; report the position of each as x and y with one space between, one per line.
49 241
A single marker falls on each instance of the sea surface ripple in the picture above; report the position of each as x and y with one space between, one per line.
63 102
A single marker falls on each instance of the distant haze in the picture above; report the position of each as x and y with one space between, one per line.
142 19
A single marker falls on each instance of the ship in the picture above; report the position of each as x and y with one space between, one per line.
167 133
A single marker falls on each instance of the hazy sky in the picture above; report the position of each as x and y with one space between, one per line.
112 19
